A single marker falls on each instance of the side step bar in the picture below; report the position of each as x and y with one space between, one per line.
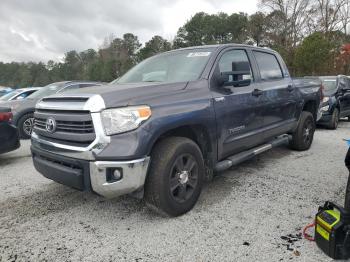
243 156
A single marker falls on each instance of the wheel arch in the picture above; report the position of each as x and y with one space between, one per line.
311 106
19 115
197 133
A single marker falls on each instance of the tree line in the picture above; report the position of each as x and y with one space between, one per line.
311 35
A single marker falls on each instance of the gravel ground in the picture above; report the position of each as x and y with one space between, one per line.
249 213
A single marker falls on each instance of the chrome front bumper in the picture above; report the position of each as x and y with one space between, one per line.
77 172
77 166
133 177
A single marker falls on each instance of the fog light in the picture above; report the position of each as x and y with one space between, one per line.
114 174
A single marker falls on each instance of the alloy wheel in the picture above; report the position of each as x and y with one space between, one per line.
308 131
28 125
183 178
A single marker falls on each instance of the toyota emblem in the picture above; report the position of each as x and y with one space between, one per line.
50 125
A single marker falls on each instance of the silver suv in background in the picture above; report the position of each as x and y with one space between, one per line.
5 90
19 94
23 110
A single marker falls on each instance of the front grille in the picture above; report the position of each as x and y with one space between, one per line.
68 126
72 127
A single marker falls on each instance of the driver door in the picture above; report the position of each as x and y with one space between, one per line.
236 108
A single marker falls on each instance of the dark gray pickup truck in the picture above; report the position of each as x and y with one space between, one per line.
172 121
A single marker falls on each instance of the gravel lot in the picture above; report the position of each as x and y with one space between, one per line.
246 214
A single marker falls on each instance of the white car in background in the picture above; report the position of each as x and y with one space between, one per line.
5 90
19 94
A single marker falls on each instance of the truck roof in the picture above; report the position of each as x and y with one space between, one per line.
222 46
326 77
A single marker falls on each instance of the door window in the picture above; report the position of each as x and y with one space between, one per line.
269 66
21 96
235 60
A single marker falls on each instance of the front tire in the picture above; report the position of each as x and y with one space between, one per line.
25 126
303 136
334 120
175 177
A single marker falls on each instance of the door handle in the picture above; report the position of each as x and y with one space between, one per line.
290 88
257 92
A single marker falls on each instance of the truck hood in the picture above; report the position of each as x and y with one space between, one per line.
118 95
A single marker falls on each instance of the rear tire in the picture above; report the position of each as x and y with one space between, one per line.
25 126
334 120
175 177
303 136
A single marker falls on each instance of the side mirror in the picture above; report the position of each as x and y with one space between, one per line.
222 79
241 66
235 77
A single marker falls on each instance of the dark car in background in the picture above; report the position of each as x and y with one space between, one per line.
9 138
23 109
19 94
336 101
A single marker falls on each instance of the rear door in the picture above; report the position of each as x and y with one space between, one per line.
236 108
344 96
280 96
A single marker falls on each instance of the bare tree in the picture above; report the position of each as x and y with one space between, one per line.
296 17
345 16
328 14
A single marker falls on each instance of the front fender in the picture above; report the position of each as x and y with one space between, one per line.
17 115
139 143
198 113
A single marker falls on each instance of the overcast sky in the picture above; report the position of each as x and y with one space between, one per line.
40 30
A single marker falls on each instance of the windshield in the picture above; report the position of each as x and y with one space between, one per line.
177 66
330 85
47 90
9 95
114 81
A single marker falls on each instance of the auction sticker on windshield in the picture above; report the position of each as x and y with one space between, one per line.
198 54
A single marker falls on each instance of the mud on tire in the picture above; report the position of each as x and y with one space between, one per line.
303 135
25 125
175 177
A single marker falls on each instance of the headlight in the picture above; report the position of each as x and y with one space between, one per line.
325 99
119 120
